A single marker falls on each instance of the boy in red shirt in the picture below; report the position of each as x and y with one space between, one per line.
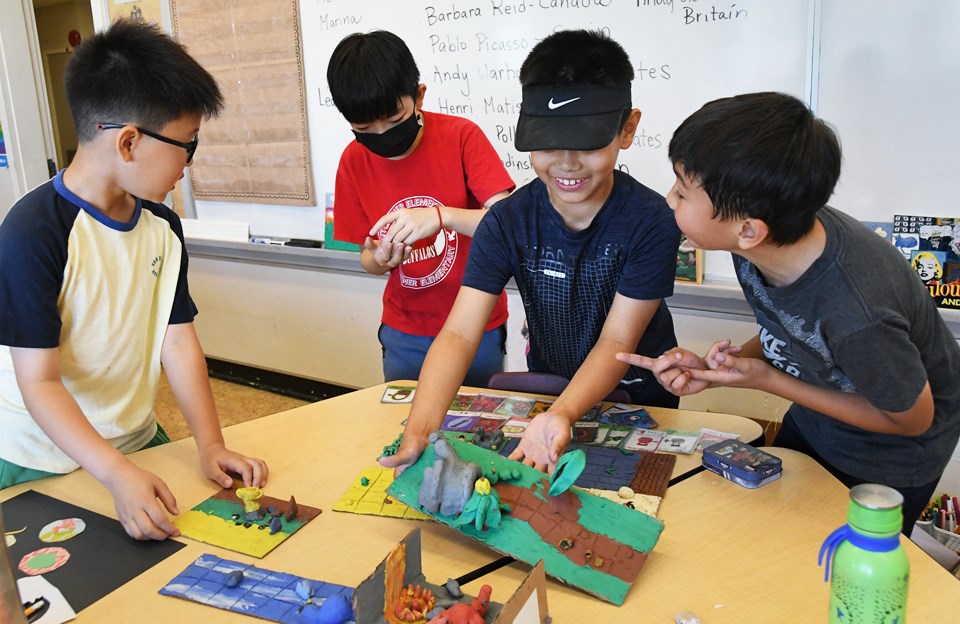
411 189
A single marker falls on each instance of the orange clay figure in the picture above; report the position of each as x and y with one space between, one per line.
463 613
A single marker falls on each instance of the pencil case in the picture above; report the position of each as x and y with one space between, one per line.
742 463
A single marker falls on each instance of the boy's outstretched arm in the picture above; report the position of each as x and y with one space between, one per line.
186 370
849 407
444 369
135 491
548 434
412 224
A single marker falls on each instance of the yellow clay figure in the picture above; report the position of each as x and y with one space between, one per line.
249 495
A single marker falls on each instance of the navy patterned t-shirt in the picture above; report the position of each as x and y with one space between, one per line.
568 279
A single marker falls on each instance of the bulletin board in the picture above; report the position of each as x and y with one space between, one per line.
257 151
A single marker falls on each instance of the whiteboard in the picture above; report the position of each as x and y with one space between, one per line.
469 52
890 84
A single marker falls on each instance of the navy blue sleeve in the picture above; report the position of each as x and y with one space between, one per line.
651 265
184 310
33 254
489 263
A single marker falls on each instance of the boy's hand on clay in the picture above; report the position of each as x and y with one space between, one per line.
410 450
387 255
672 369
543 442
217 460
408 225
140 497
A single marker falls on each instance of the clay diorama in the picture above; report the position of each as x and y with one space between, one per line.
367 495
250 590
398 593
590 542
244 520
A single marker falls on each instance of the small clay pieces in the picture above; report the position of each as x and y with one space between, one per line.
488 440
292 510
453 588
364 481
413 603
304 589
448 483
626 493
686 617
569 467
566 543
276 525
463 613
233 578
393 447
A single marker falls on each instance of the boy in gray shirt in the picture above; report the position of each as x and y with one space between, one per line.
846 330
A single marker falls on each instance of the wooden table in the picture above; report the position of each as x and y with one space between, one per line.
727 553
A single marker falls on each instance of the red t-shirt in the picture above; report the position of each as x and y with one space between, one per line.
453 165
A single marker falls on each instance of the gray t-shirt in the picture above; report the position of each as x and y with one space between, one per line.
859 320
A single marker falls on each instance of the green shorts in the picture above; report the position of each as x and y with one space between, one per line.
12 474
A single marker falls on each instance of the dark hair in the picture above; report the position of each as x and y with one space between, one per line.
576 56
134 73
761 155
368 73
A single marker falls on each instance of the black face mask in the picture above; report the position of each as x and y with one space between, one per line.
394 141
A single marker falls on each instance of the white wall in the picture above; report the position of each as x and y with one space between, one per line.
322 325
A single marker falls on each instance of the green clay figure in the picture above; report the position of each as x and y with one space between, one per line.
483 508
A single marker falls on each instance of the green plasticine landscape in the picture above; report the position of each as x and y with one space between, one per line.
518 539
211 522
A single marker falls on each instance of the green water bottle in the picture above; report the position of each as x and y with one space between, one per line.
870 569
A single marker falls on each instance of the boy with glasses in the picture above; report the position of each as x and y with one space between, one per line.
93 286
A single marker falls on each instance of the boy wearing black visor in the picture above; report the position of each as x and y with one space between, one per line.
411 189
592 250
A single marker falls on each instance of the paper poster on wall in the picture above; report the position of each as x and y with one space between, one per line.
257 150
138 10
3 150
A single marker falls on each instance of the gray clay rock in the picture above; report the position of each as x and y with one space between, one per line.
448 483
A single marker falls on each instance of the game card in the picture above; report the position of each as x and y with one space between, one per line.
539 407
613 436
635 417
514 427
684 442
643 440
489 423
398 394
487 403
462 401
712 436
463 422
585 432
515 406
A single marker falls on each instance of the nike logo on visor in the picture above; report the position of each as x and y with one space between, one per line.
555 105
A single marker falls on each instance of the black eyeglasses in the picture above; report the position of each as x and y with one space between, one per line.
191 147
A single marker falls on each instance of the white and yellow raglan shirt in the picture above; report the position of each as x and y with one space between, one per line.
103 293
